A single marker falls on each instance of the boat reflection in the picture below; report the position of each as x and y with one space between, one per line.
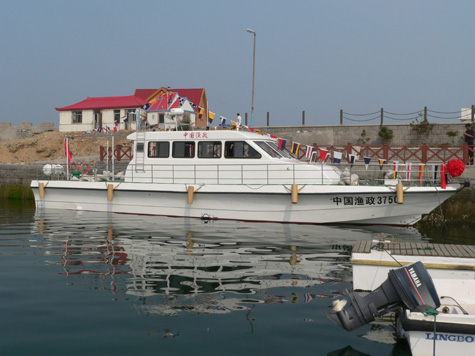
170 265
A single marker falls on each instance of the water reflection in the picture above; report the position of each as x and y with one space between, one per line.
174 265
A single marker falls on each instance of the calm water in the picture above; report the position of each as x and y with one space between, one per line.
107 284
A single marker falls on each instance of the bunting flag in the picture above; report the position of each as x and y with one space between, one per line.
105 129
309 152
282 143
443 181
116 126
211 115
421 172
352 159
381 163
124 118
147 106
337 157
222 120
408 171
395 166
366 162
274 137
295 148
323 154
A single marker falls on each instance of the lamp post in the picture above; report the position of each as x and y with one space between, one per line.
253 74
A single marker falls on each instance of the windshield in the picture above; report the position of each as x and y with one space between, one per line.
272 150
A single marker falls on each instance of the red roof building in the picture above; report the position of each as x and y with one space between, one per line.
115 111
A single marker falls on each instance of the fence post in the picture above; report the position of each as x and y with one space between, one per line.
425 113
473 113
245 118
268 119
425 149
465 153
382 116
341 116
385 151
303 118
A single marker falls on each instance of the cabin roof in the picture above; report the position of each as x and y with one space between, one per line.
202 135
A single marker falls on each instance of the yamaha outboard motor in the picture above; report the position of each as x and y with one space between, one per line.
410 286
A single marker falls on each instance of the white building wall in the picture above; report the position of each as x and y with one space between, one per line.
66 119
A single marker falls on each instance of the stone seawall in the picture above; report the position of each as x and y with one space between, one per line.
403 134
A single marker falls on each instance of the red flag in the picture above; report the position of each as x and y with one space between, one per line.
443 182
323 154
67 152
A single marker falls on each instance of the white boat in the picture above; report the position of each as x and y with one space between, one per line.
451 329
234 175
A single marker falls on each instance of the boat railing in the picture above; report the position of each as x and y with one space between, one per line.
264 174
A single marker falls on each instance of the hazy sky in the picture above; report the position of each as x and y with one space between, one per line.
312 55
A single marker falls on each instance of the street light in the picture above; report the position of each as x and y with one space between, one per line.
253 74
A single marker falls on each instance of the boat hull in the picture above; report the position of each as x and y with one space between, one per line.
257 203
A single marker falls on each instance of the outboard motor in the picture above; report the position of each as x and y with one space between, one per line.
410 286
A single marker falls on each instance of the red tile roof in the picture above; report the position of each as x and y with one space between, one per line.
144 93
111 102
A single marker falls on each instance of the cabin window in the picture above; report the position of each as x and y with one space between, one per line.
240 149
209 149
77 117
116 115
159 149
183 149
139 147
130 113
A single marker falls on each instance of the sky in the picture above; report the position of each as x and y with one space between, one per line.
311 55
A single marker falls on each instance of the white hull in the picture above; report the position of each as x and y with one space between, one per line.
445 341
317 204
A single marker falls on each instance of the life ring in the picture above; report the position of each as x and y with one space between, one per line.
85 168
73 166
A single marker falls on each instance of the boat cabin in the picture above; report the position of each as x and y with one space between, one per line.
219 157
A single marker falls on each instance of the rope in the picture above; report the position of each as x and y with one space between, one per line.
434 313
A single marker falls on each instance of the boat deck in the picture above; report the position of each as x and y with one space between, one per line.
416 249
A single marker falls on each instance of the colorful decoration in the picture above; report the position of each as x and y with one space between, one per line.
323 154
455 167
295 147
309 152
337 157
282 143
366 161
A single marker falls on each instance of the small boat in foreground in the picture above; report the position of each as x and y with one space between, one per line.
445 323
236 175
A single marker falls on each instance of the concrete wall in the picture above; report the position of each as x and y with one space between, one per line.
403 134
24 129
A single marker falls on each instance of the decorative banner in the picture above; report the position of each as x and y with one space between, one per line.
366 162
381 163
337 157
421 172
295 148
443 182
309 152
408 171
67 152
282 143
395 166
124 118
352 159
323 154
